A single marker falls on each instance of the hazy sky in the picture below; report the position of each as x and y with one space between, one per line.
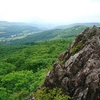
50 11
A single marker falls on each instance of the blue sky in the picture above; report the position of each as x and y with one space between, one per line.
50 11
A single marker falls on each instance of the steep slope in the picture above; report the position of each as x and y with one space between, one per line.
77 70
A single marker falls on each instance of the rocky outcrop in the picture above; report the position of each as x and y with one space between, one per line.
77 70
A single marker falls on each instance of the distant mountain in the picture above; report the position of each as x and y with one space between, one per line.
9 31
51 35
33 32
42 26
5 23
13 29
76 24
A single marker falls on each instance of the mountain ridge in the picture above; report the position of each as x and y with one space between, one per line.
52 35
77 24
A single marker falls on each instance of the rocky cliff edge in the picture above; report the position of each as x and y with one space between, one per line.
77 70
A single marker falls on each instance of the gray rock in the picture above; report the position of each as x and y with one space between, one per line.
79 74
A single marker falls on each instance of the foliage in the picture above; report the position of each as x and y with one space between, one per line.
39 55
20 82
21 95
3 94
76 48
23 67
6 68
52 94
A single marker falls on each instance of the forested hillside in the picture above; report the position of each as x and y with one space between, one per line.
21 33
24 62
50 35
23 67
9 31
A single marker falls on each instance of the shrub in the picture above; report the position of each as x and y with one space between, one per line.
52 94
76 48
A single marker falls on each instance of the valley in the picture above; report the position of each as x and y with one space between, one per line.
27 54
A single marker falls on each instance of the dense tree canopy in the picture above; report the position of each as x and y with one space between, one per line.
23 67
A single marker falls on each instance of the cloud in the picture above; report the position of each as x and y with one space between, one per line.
58 11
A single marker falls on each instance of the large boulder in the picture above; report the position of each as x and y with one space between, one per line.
77 70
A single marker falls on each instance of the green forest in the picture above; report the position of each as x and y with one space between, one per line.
29 34
53 34
24 67
25 62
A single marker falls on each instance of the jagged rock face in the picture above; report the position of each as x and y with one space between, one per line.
77 70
